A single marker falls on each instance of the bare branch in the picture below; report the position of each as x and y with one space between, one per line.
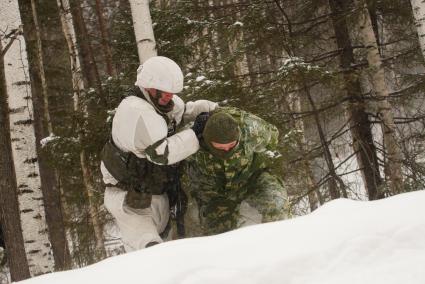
13 35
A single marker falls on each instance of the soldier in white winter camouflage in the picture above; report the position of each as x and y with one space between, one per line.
229 179
140 161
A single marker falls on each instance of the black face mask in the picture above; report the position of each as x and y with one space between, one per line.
162 108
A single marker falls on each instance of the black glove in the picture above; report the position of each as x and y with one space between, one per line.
199 124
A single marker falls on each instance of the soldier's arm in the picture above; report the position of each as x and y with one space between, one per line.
151 141
263 134
187 112
192 109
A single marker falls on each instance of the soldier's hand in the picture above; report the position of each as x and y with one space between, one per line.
199 124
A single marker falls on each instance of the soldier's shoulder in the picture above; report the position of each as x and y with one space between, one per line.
239 115
250 123
134 102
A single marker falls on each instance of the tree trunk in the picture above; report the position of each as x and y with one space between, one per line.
105 39
78 90
223 41
360 125
43 128
90 70
393 169
9 214
241 64
251 60
418 7
211 34
25 159
374 19
335 182
40 66
313 193
143 30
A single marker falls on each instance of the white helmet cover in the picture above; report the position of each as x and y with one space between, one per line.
160 73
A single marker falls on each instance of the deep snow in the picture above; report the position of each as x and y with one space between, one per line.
342 242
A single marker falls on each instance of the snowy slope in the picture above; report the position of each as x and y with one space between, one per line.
343 242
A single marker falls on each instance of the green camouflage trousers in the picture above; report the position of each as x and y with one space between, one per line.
213 210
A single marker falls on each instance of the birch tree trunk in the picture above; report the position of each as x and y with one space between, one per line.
43 128
360 125
418 7
143 30
23 139
78 91
393 161
9 214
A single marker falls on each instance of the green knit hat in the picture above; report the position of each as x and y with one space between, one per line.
221 128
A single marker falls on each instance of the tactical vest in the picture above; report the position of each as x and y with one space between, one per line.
137 173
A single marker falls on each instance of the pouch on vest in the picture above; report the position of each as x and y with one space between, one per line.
115 161
136 173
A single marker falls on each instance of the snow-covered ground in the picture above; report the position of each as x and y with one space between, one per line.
343 242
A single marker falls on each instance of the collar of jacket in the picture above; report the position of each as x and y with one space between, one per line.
147 97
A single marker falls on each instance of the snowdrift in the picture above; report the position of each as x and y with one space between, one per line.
342 242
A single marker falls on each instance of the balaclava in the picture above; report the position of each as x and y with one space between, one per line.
221 128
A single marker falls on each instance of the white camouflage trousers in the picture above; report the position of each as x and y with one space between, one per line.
138 226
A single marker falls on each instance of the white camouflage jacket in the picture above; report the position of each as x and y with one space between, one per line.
137 125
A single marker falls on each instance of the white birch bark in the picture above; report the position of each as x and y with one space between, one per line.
37 245
78 90
143 30
393 169
418 7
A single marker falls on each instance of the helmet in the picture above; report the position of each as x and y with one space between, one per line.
160 73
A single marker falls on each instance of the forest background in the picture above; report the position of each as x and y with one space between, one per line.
343 81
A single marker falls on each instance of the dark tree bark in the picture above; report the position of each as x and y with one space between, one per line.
9 214
223 41
79 105
90 70
49 184
359 120
105 39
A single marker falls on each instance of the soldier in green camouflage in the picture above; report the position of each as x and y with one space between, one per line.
229 182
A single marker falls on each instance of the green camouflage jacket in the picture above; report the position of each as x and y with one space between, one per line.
211 177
